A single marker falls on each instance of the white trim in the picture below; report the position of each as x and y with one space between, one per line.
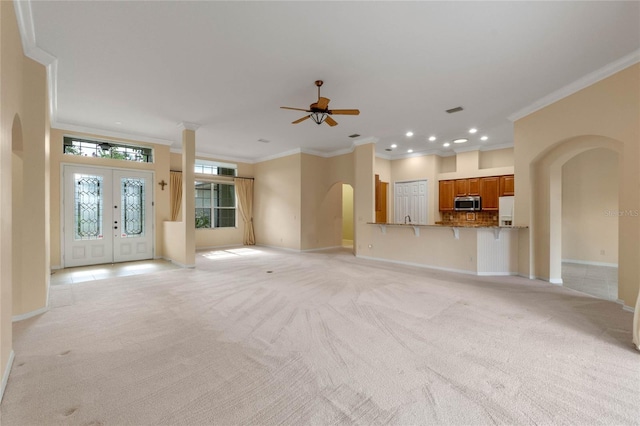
588 262
5 376
56 267
279 155
28 315
419 265
576 86
497 274
108 133
214 157
279 248
625 307
227 246
185 125
556 281
365 141
320 249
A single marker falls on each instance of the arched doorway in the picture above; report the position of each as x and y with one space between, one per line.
347 216
590 223
546 206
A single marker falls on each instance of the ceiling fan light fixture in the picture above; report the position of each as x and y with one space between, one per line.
318 117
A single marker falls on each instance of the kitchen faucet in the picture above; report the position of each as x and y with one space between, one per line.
405 219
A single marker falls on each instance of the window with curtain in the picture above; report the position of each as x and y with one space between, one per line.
215 205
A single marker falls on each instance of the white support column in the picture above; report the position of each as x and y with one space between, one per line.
188 192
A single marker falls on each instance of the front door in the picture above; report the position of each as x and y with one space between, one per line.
108 215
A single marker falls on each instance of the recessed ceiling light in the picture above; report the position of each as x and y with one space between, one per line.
409 134
484 138
446 144
394 145
409 151
118 122
461 140
432 138
473 130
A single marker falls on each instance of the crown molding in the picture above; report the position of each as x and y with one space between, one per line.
497 146
586 81
185 125
279 155
364 141
215 157
26 28
107 133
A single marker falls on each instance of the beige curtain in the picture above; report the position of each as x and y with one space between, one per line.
244 191
175 187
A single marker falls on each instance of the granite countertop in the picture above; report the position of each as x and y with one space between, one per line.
449 225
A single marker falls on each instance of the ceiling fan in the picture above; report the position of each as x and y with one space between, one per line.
320 112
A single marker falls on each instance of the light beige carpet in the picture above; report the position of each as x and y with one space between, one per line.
260 336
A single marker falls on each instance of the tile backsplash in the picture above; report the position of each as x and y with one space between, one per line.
470 218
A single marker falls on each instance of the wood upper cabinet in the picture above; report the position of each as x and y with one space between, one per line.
474 186
381 200
507 185
462 187
447 194
489 191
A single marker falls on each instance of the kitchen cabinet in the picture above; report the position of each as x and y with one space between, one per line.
489 191
507 185
462 187
474 186
381 200
446 195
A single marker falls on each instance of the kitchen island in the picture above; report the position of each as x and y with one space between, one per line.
469 249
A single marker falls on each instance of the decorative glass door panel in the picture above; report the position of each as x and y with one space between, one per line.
108 216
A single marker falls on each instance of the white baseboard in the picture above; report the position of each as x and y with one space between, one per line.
220 247
497 274
56 267
321 249
588 262
28 315
556 281
279 248
625 307
7 371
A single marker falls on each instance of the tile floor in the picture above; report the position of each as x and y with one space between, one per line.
109 270
598 281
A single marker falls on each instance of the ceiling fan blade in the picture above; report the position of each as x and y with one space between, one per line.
323 103
296 109
330 121
344 111
300 119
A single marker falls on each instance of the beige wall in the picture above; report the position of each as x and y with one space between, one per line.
590 207
382 168
23 103
160 168
496 158
277 202
603 115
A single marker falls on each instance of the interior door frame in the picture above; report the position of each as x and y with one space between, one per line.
63 212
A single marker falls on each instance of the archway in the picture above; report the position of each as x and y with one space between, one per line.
17 194
347 216
546 206
590 223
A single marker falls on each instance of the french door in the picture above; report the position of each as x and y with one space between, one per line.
108 215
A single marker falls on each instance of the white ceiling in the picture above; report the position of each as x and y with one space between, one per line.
229 66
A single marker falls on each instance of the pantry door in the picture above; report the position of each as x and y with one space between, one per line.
108 216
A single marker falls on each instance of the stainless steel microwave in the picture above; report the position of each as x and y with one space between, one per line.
468 204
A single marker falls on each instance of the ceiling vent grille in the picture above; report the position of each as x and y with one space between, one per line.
355 135
456 109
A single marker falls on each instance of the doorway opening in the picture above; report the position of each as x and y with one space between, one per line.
108 216
347 216
590 223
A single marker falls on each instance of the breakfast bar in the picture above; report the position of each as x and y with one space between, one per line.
469 249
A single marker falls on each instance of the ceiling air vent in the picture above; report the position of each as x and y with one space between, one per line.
456 109
263 140
355 135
